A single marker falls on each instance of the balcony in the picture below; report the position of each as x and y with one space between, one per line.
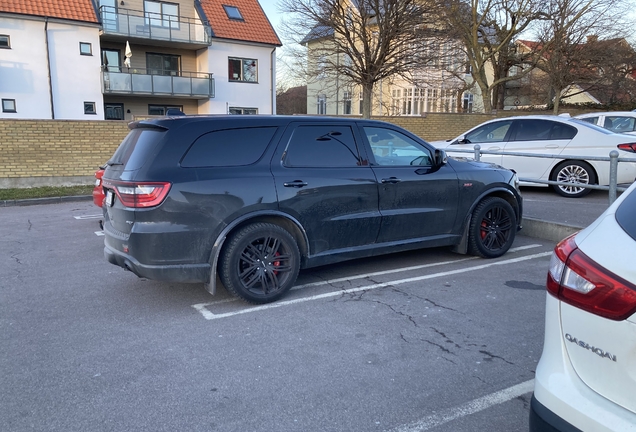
121 24
142 82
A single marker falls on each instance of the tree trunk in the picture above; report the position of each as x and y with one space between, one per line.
557 101
486 95
367 96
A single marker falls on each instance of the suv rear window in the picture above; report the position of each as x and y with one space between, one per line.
625 215
230 147
134 149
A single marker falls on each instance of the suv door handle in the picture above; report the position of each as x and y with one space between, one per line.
391 180
295 183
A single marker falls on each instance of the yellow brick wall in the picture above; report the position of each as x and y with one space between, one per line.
56 148
46 150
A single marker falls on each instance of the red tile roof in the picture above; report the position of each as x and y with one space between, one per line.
254 28
77 10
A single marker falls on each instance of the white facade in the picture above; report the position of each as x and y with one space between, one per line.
43 65
25 68
259 95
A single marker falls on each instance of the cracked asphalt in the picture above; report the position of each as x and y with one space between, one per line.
370 345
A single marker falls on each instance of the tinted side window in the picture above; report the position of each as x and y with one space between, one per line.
625 215
491 132
229 147
390 147
592 120
322 146
537 130
620 124
134 149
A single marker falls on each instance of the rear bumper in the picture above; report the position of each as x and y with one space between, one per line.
544 420
561 400
187 273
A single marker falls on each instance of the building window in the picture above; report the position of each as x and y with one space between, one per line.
243 111
160 14
245 70
86 49
322 67
321 103
8 105
89 108
346 102
162 109
163 64
468 102
361 102
111 60
114 111
233 12
5 42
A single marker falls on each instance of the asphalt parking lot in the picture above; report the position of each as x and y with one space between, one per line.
425 340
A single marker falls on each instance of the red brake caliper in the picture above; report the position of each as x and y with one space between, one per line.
276 263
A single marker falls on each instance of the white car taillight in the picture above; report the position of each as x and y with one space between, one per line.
578 280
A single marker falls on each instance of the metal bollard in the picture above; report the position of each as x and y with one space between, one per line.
478 153
613 180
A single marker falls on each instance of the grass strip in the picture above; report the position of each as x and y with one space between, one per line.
44 192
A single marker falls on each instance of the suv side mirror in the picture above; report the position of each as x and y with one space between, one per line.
440 157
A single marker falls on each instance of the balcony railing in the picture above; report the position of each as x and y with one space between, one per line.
151 25
117 80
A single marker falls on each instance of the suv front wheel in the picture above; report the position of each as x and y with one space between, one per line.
492 228
260 263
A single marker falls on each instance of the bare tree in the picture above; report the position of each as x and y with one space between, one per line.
488 29
359 43
291 100
574 41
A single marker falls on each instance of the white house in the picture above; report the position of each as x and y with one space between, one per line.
114 59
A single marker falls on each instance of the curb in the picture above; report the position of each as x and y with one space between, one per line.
550 231
38 201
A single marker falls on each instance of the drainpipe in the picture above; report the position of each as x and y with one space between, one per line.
337 81
48 64
272 70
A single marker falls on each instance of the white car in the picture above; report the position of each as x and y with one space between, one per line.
554 136
616 121
586 377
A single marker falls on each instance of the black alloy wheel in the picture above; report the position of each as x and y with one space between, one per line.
260 263
492 228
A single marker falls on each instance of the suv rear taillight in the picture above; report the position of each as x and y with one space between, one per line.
630 147
139 194
576 279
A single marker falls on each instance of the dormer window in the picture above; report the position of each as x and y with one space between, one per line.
233 13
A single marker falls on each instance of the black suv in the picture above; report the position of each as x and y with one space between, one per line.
255 198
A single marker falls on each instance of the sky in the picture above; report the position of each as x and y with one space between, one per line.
269 6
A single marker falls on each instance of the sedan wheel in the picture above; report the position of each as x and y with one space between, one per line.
260 263
492 228
573 172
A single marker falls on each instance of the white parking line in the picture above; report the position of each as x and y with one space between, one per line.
99 233
202 307
403 269
468 408
94 216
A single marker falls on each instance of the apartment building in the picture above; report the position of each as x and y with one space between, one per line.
126 59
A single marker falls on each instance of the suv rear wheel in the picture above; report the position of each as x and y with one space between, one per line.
492 228
260 263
